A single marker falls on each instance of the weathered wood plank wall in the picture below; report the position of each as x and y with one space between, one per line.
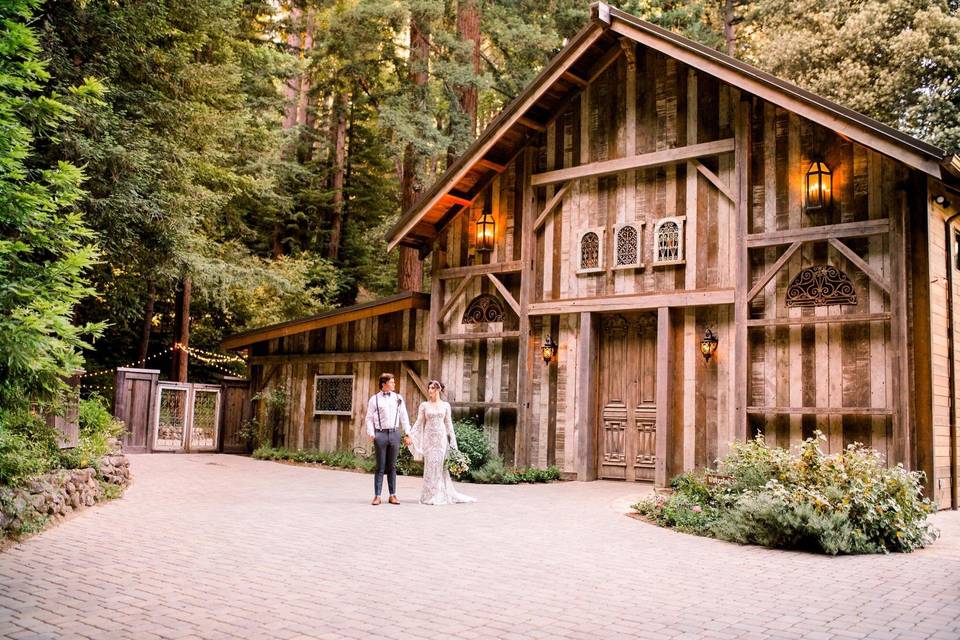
942 394
301 429
806 369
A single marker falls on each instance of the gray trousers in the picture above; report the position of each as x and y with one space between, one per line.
386 444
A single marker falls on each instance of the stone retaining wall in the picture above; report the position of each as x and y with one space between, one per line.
53 496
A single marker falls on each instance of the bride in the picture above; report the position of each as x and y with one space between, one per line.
429 436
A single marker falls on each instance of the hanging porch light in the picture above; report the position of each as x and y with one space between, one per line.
549 349
708 345
486 231
819 186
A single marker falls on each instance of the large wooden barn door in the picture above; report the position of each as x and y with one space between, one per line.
627 395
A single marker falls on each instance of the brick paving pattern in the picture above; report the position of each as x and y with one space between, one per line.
227 547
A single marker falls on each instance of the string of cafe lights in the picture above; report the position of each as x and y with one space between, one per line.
209 358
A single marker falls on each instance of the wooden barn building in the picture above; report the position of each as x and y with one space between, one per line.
647 202
644 190
328 365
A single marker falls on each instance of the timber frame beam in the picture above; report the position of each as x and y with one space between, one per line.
695 298
359 356
821 232
479 269
409 369
641 161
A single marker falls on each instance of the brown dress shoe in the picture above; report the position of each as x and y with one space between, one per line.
393 500
376 500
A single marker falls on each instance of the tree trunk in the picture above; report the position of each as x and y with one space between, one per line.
341 107
181 330
297 89
468 28
147 321
728 26
409 265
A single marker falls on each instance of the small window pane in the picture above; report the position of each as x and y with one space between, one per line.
668 242
627 246
590 251
334 395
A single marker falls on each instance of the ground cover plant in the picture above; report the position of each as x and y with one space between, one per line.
485 467
336 459
845 503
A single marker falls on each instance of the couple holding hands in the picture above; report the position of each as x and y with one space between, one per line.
428 438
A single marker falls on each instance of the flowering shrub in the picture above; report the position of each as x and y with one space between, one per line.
849 502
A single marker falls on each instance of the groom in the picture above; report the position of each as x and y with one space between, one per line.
386 414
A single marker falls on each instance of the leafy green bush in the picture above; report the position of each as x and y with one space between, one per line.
472 442
496 472
493 472
849 502
28 446
98 428
338 459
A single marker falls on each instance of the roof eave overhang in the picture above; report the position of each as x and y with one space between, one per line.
510 115
856 127
390 304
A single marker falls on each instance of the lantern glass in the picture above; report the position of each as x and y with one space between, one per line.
548 350
819 186
708 345
485 232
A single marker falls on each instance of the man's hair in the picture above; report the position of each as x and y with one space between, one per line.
385 378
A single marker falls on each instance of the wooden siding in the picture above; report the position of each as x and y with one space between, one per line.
290 368
939 348
827 365
844 370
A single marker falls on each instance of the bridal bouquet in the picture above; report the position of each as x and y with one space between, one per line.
457 462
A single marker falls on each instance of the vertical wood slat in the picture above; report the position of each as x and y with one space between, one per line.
741 269
900 380
586 398
690 387
527 278
664 391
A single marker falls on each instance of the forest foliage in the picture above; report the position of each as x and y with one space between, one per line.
260 149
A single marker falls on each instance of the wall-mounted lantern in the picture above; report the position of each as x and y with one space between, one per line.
708 345
819 186
486 231
549 349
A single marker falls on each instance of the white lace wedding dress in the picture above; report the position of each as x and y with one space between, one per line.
430 435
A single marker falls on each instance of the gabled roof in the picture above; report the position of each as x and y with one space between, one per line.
390 304
585 56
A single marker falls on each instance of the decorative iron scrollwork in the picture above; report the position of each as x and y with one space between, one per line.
627 242
819 286
483 308
590 251
615 326
334 395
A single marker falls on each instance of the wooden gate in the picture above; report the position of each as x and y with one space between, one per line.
187 417
627 441
235 411
133 403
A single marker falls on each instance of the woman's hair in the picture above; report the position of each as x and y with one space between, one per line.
436 383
